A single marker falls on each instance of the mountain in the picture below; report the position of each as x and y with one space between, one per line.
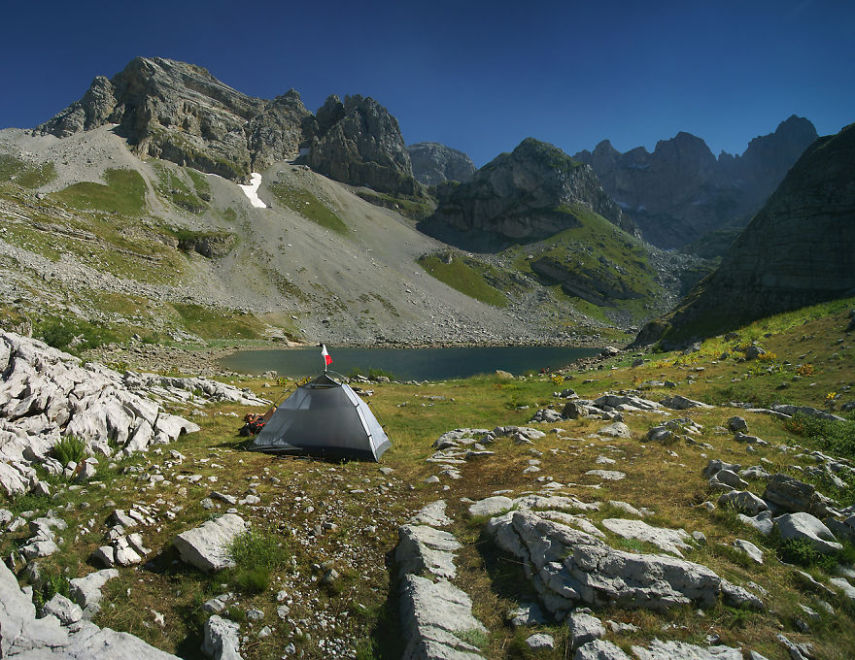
681 191
179 112
520 196
434 163
798 250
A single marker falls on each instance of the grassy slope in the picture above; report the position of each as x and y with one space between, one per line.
306 204
664 478
467 275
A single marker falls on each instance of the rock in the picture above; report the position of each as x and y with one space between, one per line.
255 615
845 588
527 614
678 402
540 642
762 522
805 527
432 514
221 639
608 475
616 430
737 425
789 494
796 651
435 163
63 609
584 628
431 614
359 143
659 650
86 591
742 501
569 568
715 465
755 553
600 649
727 480
207 547
669 540
491 506
426 551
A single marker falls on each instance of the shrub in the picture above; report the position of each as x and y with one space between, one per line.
69 448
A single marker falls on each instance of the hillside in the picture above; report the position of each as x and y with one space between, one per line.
624 472
799 249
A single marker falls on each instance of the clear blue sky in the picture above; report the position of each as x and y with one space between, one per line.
477 76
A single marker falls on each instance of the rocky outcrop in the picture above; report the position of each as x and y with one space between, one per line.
798 250
681 192
434 163
61 633
207 547
528 194
359 142
181 113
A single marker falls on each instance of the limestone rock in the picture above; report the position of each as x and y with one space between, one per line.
432 514
222 641
743 501
669 540
659 650
86 591
747 547
490 506
426 551
600 649
584 628
63 609
207 547
789 494
678 402
803 526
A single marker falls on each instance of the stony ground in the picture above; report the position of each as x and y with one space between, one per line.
338 523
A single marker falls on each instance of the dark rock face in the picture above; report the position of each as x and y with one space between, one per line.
359 142
522 196
434 163
798 250
681 192
180 112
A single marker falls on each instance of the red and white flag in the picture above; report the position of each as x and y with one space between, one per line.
325 354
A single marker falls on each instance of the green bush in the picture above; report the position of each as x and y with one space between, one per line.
69 448
825 434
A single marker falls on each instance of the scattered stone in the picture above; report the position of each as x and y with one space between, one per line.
678 402
608 475
789 494
659 650
844 586
737 425
432 514
86 591
742 501
63 609
616 430
527 614
600 649
540 642
491 506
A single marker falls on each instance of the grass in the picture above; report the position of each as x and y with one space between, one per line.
306 204
72 334
27 175
124 193
215 323
69 449
467 275
173 187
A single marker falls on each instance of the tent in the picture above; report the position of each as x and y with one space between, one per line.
326 418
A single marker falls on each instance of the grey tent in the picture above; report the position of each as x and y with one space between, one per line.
323 417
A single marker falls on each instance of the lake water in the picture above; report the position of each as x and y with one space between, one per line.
407 363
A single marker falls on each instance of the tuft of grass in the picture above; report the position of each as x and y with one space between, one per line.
306 204
124 193
256 554
69 448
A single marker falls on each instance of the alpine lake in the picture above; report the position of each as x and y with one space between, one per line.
407 363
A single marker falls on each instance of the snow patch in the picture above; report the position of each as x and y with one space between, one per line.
251 191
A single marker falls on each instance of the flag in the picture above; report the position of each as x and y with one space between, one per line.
325 355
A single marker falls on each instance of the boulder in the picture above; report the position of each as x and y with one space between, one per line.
748 548
432 514
789 494
490 506
737 425
63 609
678 402
805 527
600 649
426 551
86 591
527 614
222 640
669 540
742 501
659 650
584 628
207 547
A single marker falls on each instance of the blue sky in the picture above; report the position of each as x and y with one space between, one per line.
478 76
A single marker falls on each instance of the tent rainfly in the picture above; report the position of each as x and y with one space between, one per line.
326 418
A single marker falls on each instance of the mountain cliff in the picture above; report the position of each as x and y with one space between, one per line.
518 197
434 163
181 113
798 250
681 191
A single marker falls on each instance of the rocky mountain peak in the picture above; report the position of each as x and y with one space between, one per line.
359 142
434 163
521 196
